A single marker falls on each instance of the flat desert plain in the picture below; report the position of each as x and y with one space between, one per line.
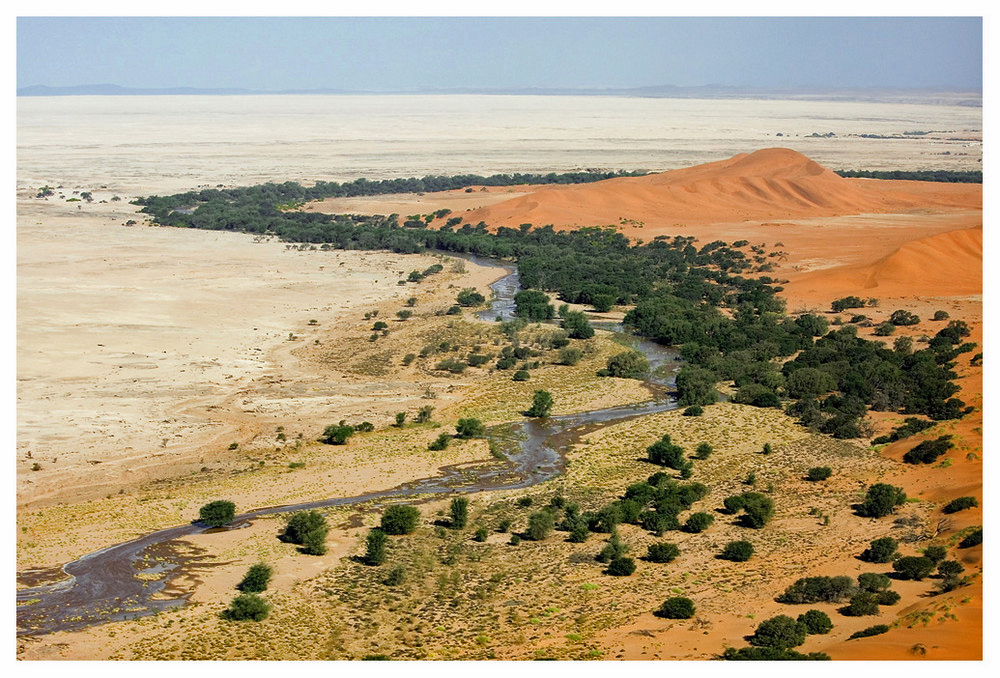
221 340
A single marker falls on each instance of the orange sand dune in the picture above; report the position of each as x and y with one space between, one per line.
774 183
945 264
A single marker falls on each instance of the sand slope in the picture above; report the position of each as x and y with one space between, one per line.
773 183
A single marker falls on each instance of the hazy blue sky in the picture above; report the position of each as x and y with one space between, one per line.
380 54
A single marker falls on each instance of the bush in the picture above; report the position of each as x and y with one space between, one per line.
613 548
873 582
217 513
459 512
676 608
375 545
876 630
884 329
470 428
698 522
439 443
533 305
469 297
816 622
621 567
936 553
881 500
863 604
902 317
693 411
521 375
336 434
733 503
577 325
400 519
247 606
256 579
541 404
887 597
880 551
396 576
308 529
781 632
758 510
817 473
481 534
665 453
757 654
540 524
737 551
940 315
703 451
928 451
913 567
960 504
628 365
950 568
570 356
818 590
974 538
662 553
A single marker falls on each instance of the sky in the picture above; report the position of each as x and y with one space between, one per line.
427 53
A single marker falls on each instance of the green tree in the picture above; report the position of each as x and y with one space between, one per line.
309 530
400 519
695 386
540 524
217 513
439 443
737 551
913 567
424 414
758 510
627 365
662 553
470 428
873 582
817 473
621 567
576 325
247 607
698 522
882 550
336 434
469 297
570 355
703 451
677 607
375 547
541 404
816 621
400 419
881 500
459 512
960 504
256 579
533 305
780 632
936 553
863 604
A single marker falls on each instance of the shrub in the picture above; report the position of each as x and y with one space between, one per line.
439 443
818 590
887 597
960 504
928 451
515 539
247 606
733 503
847 302
621 567
880 551
703 451
758 510
737 551
698 522
863 603
525 502
364 427
902 317
950 568
816 621
256 579
404 314
817 473
873 582
217 513
540 524
665 453
913 567
757 654
676 608
577 325
781 632
662 553
470 428
541 404
940 315
400 519
521 375
570 356
481 534
628 365
459 512
881 500
396 576
375 545
579 532
470 297
336 434
613 548
884 329
693 411
974 538
876 630
936 553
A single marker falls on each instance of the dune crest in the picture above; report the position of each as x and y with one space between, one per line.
771 183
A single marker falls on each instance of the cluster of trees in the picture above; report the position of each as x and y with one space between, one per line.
948 176
774 638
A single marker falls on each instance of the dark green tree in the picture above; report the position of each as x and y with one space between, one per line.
913 567
621 567
662 552
375 547
737 551
541 404
247 607
678 607
400 519
816 621
470 428
459 512
628 365
540 524
217 513
881 500
256 579
781 632
336 434
882 550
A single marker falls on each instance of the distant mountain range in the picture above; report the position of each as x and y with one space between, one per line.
901 95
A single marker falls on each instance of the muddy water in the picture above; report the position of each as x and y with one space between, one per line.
108 585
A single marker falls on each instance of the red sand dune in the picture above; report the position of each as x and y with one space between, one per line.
771 183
